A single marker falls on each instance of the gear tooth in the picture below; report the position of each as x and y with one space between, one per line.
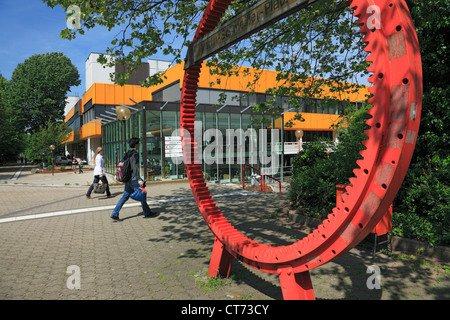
348 189
371 79
360 162
369 122
370 58
353 4
360 22
367 39
357 9
364 143
359 12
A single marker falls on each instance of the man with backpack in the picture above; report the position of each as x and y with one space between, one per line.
128 172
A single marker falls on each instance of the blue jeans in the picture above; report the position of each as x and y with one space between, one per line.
130 186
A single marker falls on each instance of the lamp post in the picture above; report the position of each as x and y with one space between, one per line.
123 114
299 135
52 147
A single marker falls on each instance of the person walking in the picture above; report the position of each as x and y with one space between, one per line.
74 162
99 173
134 183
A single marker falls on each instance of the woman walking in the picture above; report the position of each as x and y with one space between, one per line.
99 173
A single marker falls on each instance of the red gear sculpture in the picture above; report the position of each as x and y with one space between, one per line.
397 101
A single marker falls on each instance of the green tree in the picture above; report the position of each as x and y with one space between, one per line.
51 133
11 140
3 83
38 89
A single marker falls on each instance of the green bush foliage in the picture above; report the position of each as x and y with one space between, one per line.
322 165
312 184
422 206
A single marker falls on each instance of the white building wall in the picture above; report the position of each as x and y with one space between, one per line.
92 144
157 66
96 72
70 102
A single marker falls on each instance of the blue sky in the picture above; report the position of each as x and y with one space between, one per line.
29 27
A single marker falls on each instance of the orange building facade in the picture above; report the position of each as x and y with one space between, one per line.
100 99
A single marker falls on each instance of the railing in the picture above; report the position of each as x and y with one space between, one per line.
270 177
263 178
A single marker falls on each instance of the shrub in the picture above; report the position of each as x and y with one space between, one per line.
312 184
322 165
422 206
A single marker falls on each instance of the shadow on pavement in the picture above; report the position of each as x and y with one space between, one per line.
346 277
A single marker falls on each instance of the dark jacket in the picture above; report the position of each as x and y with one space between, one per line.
134 164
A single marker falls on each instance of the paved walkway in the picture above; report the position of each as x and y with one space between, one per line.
50 234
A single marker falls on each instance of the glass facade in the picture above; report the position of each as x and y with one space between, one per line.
160 123
155 122
115 138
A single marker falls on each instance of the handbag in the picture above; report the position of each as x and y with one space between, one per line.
100 187
139 194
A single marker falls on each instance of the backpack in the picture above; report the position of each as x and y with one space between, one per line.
123 170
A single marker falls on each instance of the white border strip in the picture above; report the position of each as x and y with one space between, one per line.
111 207
17 174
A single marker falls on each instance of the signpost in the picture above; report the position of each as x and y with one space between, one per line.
241 26
172 147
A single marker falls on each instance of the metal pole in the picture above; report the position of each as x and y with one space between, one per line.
124 133
144 137
144 140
